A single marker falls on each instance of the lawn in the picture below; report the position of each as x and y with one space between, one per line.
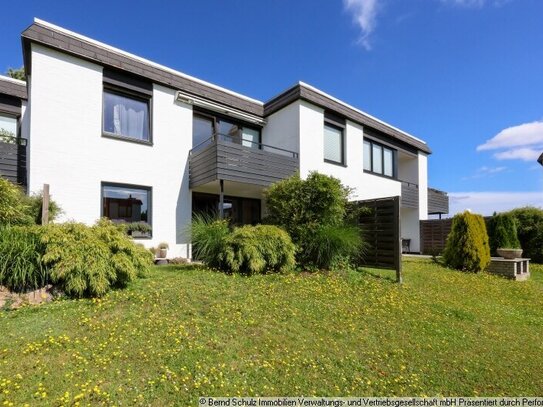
184 332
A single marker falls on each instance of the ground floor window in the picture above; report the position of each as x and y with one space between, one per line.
129 204
240 211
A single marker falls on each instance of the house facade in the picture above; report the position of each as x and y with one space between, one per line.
119 136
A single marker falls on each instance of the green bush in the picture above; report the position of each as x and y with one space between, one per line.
331 245
246 249
20 259
88 261
259 249
530 231
14 208
502 232
34 204
314 213
467 245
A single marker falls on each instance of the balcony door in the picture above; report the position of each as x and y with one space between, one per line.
205 126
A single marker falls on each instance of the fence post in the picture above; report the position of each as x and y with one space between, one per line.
45 205
397 240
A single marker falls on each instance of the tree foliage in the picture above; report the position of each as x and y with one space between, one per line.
502 232
17 73
467 246
530 231
314 213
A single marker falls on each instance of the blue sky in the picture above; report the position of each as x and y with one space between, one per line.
464 75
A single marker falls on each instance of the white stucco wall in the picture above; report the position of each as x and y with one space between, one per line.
69 153
365 186
282 129
423 185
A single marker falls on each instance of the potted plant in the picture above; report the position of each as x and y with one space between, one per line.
163 250
503 236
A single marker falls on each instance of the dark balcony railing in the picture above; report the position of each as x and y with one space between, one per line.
13 159
438 202
230 158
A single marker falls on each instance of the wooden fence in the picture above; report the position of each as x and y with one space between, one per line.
13 160
380 224
433 235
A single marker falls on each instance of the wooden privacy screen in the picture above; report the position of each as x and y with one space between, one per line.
433 235
13 160
380 224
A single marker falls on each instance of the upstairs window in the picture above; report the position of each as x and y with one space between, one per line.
126 107
8 128
334 149
379 159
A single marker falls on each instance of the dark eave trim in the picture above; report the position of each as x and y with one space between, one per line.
14 89
63 42
301 92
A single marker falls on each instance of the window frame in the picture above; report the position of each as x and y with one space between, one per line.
135 186
128 93
337 126
383 148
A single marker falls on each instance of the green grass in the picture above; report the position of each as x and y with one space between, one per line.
187 332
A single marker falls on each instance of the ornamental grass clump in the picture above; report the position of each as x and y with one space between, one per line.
502 232
21 268
467 246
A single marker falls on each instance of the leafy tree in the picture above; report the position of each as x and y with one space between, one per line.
313 211
17 73
530 231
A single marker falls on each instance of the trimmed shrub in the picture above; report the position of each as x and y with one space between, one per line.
20 259
246 249
259 249
331 245
530 231
14 208
467 245
502 232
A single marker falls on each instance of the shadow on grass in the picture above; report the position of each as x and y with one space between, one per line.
382 274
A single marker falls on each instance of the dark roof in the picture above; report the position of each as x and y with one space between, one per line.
312 95
540 159
82 47
12 87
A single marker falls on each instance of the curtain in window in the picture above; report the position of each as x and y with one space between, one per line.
129 117
250 138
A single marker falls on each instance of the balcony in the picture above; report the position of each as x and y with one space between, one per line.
438 201
228 158
13 159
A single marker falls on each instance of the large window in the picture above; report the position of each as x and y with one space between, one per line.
126 203
334 149
126 115
204 126
379 159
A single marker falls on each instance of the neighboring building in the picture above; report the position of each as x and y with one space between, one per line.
114 134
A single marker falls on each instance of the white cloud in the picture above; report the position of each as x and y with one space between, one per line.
486 203
486 171
524 154
522 135
475 3
522 142
365 16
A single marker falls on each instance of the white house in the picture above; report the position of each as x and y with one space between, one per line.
117 135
